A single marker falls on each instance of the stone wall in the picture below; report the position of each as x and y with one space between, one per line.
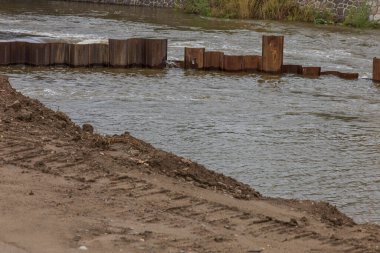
148 3
340 8
337 7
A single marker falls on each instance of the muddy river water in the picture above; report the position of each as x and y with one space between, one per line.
285 136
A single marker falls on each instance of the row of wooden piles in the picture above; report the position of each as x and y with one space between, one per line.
135 52
152 53
271 61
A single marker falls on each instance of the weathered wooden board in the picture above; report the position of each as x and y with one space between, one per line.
273 53
156 53
79 55
213 60
251 63
376 69
118 53
347 76
233 63
292 69
5 51
98 55
311 71
38 54
18 52
59 54
194 58
136 52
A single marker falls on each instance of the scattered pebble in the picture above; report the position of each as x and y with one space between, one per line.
83 248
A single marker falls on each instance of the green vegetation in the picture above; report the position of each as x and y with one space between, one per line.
276 10
358 17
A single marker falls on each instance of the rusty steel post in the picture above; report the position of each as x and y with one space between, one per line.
251 63
213 60
376 70
38 54
233 63
194 58
5 52
273 53
292 69
117 53
156 53
311 71
98 55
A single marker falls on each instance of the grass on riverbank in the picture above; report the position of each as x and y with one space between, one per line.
277 10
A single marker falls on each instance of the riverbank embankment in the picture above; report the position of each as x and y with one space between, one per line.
83 190
358 13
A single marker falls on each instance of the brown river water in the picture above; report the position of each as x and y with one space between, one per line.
285 136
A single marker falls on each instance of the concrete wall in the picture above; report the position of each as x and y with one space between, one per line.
341 7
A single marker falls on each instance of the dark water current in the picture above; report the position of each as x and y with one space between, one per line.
285 136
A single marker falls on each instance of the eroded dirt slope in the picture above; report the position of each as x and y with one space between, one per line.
63 187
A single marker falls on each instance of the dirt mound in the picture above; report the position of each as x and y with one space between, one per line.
19 110
117 193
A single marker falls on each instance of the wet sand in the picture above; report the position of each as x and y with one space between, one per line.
66 189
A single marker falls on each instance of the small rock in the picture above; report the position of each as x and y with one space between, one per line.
219 239
25 116
31 193
16 105
88 128
83 248
255 251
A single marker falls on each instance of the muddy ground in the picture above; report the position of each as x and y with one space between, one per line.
64 188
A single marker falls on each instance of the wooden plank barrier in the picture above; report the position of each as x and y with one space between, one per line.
233 63
136 52
18 52
38 54
59 54
213 60
194 58
376 70
156 53
251 63
311 71
98 55
292 69
79 55
347 76
5 50
117 53
273 53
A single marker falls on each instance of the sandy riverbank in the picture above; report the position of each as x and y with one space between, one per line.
62 188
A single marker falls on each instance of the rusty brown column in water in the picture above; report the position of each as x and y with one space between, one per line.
98 55
376 70
273 53
117 53
79 55
194 58
18 52
38 54
233 63
292 69
59 54
136 52
5 52
311 71
156 53
213 60
251 63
